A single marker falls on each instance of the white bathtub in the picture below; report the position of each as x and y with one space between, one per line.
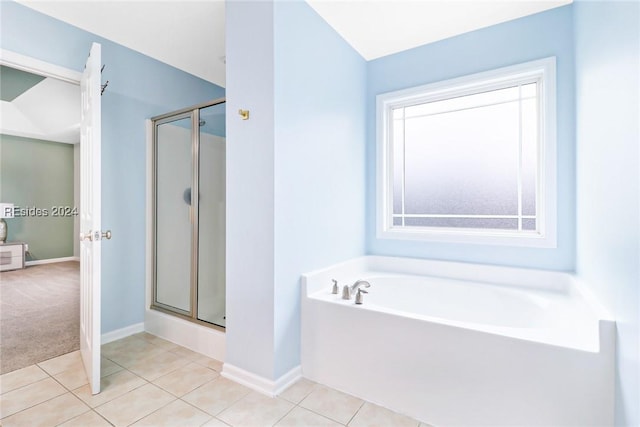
456 344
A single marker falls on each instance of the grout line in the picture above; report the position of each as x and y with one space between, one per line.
322 415
65 387
194 406
151 413
116 397
100 415
218 419
202 385
23 386
84 413
356 413
38 404
76 416
234 402
287 413
175 398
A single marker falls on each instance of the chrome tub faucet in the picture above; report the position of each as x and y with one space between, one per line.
347 291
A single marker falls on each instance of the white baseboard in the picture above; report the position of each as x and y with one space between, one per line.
122 333
288 379
260 384
51 260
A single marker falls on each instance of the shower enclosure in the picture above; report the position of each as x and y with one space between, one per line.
189 213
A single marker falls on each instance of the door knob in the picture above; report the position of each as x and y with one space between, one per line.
106 235
87 236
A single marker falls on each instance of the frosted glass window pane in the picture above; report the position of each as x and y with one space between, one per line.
530 90
463 162
468 154
398 164
463 102
479 223
529 155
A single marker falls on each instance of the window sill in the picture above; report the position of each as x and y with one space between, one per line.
500 238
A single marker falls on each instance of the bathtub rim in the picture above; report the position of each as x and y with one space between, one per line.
559 281
510 277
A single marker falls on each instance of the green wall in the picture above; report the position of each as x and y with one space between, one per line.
36 173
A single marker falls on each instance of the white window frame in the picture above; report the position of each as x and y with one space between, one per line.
544 70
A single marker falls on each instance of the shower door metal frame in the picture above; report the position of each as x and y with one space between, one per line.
194 114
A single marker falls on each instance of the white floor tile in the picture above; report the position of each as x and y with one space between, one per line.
28 396
256 409
88 419
185 379
332 404
186 390
135 405
49 413
176 414
371 415
216 396
300 417
298 391
62 363
20 378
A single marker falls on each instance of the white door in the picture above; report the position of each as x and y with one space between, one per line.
90 226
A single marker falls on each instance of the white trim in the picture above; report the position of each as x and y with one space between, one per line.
288 379
543 71
51 260
463 216
121 333
260 384
149 214
35 66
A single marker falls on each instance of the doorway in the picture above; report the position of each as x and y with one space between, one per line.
89 103
39 185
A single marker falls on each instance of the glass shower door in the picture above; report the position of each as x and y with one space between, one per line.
189 154
211 216
174 214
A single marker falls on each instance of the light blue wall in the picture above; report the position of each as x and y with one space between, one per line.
607 39
533 37
320 87
139 88
295 172
250 187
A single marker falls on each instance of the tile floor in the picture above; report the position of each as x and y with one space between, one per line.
147 381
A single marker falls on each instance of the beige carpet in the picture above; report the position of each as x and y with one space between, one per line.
39 314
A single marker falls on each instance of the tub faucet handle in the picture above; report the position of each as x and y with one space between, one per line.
334 290
359 297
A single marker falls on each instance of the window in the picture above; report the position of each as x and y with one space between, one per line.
471 159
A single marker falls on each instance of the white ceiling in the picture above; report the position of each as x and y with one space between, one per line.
378 28
49 111
190 35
